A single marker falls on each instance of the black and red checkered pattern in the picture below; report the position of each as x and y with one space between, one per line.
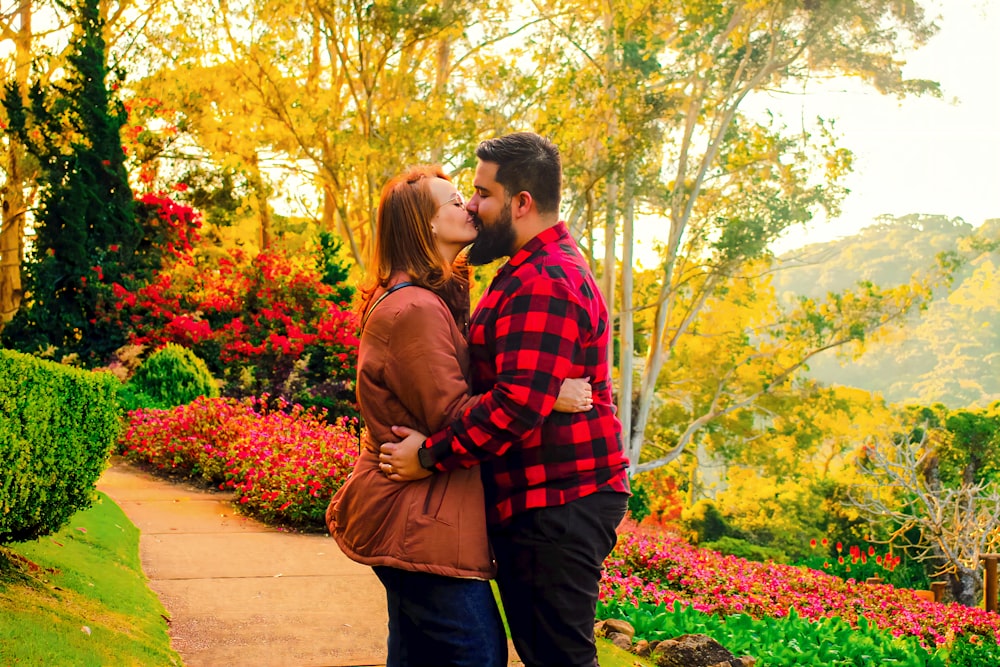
541 321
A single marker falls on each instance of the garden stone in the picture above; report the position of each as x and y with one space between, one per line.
696 651
616 625
620 640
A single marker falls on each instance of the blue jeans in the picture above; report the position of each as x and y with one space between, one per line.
437 621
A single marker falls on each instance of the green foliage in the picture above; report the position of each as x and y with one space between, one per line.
787 641
87 575
86 235
332 267
706 522
973 448
171 376
743 549
59 426
638 502
974 651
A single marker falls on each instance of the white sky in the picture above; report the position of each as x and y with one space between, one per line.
919 155
922 155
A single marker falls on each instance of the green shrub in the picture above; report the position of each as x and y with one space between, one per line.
171 376
705 522
733 546
58 426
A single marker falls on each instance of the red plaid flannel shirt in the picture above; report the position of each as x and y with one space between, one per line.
541 321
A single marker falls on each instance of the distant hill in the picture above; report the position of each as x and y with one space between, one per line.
950 353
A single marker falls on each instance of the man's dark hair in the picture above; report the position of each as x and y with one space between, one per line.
526 162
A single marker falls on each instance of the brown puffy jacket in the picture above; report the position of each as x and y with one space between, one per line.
412 371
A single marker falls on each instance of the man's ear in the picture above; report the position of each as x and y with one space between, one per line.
521 203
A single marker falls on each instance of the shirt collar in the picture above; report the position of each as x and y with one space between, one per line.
553 234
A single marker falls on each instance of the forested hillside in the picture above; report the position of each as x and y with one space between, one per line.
949 353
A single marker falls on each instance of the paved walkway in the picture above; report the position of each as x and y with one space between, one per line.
241 593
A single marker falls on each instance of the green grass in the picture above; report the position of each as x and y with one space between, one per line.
79 597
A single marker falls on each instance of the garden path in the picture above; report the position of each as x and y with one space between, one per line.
239 592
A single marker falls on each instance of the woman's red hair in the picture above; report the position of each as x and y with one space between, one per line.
405 243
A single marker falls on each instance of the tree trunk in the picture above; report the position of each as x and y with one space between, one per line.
12 199
966 586
11 238
625 327
260 195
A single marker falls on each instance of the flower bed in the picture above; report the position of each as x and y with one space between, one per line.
283 461
660 568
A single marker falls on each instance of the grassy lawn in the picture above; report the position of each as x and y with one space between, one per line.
79 597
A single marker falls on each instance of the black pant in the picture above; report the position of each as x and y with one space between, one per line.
549 564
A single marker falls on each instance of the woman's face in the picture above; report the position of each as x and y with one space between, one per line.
452 225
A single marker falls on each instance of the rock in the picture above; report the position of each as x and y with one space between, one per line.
621 641
642 649
615 625
693 651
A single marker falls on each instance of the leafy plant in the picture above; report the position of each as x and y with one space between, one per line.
171 376
974 651
86 234
744 549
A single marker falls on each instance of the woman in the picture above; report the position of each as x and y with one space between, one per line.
426 540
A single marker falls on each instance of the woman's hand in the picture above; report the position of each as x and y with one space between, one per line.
575 395
398 460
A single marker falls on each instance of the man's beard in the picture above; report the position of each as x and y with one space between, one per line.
495 240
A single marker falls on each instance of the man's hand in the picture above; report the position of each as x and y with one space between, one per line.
575 395
398 460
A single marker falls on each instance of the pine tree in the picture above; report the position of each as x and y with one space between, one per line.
86 233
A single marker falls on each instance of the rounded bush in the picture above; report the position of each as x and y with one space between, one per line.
171 376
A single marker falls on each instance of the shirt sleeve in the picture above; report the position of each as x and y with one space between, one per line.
422 367
538 333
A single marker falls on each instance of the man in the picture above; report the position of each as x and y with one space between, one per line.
556 484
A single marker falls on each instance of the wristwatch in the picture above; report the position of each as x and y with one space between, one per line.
426 459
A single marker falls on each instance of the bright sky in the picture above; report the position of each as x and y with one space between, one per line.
921 155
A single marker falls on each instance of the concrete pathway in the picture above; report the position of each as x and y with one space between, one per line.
241 593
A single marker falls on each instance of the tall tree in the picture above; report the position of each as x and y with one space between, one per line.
35 35
345 93
86 234
724 185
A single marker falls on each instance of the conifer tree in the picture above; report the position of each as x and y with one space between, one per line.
86 233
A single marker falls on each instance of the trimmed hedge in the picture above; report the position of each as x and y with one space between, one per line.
57 426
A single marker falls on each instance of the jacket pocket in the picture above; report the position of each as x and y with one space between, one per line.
437 490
